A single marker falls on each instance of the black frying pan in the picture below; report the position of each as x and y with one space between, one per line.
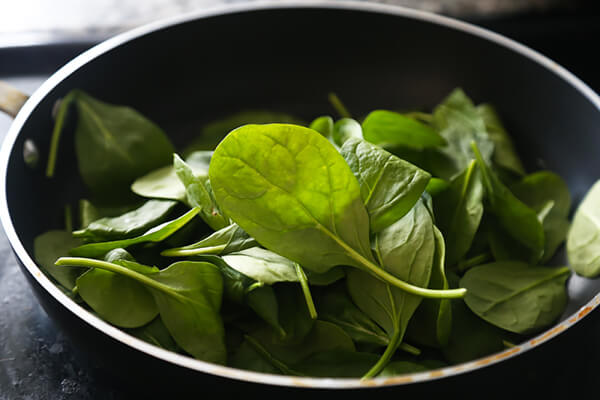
287 57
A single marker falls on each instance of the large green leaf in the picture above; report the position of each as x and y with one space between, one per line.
583 241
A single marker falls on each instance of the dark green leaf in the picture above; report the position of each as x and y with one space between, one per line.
51 245
516 296
129 224
335 306
156 333
458 212
388 128
459 123
199 194
505 154
336 364
156 234
432 322
548 195
323 125
516 218
227 240
118 299
115 145
389 186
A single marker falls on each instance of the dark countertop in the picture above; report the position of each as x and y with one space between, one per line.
38 362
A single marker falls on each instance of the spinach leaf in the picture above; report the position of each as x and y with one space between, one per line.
323 125
388 128
323 337
406 249
459 211
227 240
188 295
335 306
458 122
344 129
163 183
548 195
389 186
432 322
90 212
326 278
199 194
118 299
276 182
51 245
129 224
505 154
262 265
517 219
114 145
156 333
583 240
241 289
516 296
156 234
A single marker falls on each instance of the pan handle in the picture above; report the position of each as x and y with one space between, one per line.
11 99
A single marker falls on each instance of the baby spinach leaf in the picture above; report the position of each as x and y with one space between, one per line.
406 249
458 212
505 154
51 245
199 194
294 317
241 289
227 240
129 224
323 125
188 295
388 128
432 322
458 122
326 278
389 186
118 299
90 212
516 296
583 240
114 145
213 132
163 183
344 129
156 234
517 219
276 182
156 333
548 195
335 306
323 336
262 265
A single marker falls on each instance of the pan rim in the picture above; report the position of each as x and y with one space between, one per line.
228 372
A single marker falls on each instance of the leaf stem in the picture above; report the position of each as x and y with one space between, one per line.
306 290
56 133
473 261
189 251
409 348
116 268
385 358
339 106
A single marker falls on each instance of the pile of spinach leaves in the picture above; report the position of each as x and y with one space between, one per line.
396 243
